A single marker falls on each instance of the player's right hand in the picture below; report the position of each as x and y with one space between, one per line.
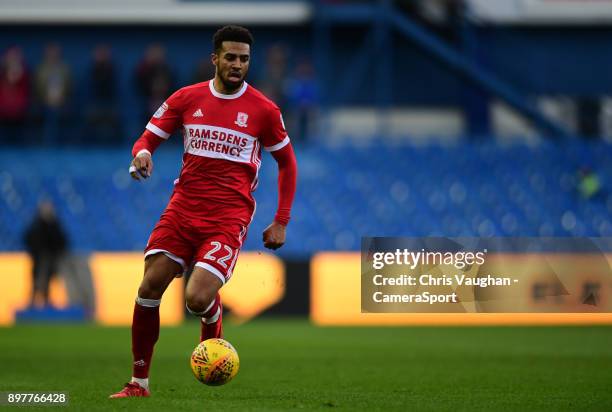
141 166
274 235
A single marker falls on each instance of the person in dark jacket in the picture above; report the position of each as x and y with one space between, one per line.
46 243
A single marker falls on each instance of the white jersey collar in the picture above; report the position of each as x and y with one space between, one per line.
236 95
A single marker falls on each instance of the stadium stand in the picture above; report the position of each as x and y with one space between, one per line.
344 193
383 184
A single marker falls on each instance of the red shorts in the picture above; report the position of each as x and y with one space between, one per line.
213 247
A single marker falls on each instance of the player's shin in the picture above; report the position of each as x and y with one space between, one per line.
211 325
145 332
212 321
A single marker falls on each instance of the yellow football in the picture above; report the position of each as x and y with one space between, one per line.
215 362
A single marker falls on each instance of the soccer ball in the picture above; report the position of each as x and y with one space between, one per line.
215 362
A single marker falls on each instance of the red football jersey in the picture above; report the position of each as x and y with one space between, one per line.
222 136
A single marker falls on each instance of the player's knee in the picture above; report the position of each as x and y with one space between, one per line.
156 280
197 303
146 292
150 290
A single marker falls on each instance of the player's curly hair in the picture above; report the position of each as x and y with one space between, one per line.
232 33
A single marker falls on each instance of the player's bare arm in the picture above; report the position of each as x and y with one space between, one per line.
141 166
274 235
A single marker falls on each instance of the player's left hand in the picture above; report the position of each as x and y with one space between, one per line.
274 236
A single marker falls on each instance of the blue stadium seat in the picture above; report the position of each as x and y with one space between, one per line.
344 193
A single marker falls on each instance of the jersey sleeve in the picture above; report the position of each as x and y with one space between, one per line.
168 117
274 136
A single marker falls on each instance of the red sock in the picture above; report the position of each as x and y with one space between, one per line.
214 329
145 332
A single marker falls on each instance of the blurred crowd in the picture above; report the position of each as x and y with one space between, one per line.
38 105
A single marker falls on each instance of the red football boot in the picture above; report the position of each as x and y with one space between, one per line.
131 389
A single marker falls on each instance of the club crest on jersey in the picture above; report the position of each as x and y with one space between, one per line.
241 119
160 112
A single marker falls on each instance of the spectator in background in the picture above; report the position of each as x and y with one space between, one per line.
102 118
14 95
53 84
46 243
153 79
302 99
273 80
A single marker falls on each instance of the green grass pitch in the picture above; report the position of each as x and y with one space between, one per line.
290 364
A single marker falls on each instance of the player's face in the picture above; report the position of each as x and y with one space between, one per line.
232 63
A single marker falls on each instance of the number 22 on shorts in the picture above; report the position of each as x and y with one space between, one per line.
223 260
